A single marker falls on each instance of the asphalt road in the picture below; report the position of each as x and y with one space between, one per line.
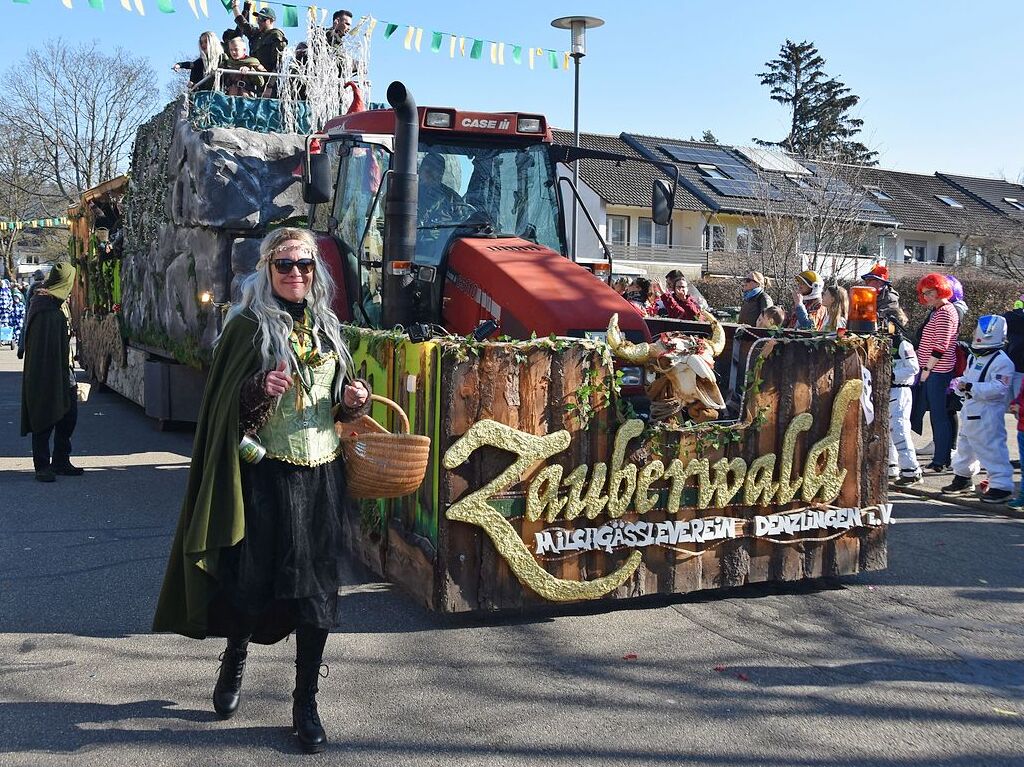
922 664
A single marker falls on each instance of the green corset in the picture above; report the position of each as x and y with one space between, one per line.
305 435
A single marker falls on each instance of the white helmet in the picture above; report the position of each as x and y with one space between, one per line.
990 333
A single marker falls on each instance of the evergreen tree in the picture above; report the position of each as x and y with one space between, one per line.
820 121
709 137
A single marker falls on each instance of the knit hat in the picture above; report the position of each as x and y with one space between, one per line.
810 279
266 13
878 272
1019 303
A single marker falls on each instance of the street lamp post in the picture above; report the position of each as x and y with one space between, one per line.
578 26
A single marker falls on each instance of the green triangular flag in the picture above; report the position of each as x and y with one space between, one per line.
389 30
96 4
435 41
517 54
553 58
289 18
25 2
165 6
477 50
227 6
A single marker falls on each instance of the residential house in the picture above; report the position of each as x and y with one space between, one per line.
734 202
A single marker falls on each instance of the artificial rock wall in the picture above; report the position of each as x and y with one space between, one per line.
197 205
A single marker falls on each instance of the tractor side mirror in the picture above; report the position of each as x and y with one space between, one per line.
316 184
662 202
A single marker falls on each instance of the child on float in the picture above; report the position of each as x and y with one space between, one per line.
985 390
904 468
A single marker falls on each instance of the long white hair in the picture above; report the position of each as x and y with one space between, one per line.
275 324
212 55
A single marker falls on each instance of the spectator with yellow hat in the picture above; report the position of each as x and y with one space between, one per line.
807 313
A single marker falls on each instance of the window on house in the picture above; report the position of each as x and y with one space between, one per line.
650 233
749 239
940 257
1013 202
800 182
714 237
877 193
711 171
618 230
915 250
948 201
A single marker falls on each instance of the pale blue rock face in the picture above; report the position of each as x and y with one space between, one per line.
197 205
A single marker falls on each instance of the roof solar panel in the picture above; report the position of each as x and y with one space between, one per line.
743 188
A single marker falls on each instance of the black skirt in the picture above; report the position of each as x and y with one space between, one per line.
287 569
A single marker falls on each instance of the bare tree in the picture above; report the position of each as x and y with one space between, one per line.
81 106
21 194
813 221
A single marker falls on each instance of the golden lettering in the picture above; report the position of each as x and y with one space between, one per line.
474 509
677 474
650 473
788 487
758 488
543 494
622 482
723 490
829 481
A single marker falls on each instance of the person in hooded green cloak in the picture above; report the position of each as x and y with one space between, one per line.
49 402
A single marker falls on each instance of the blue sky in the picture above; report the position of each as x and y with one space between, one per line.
939 80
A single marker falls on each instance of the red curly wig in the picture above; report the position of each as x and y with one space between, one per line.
936 282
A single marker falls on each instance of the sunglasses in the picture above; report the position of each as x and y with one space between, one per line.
285 265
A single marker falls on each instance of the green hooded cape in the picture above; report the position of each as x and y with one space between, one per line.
46 380
212 515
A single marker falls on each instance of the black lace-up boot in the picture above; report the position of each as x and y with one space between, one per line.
228 690
309 650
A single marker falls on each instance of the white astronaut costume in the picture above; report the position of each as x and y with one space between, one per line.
902 456
985 390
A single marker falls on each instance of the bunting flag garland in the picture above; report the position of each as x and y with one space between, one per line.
412 40
33 223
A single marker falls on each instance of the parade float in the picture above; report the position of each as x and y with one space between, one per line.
574 454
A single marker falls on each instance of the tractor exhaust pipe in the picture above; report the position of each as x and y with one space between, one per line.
400 206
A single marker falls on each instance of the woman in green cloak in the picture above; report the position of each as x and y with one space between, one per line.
258 549
49 402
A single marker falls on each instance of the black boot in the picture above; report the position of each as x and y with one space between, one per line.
309 650
228 690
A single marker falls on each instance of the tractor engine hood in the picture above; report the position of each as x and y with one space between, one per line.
528 288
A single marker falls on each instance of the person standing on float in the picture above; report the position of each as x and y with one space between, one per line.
258 550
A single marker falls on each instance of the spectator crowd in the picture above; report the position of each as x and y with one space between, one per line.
963 388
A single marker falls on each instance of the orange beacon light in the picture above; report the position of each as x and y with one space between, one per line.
863 316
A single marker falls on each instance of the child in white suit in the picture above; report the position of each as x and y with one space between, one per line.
985 389
903 466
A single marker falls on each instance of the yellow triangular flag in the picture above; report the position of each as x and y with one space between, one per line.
126 4
371 27
192 5
408 37
419 38
494 53
451 48
501 54
462 47
203 7
139 8
565 64
532 52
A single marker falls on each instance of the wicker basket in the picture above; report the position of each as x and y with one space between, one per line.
379 464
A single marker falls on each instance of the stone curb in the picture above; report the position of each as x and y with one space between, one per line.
999 510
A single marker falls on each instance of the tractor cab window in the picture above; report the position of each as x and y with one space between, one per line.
358 225
508 190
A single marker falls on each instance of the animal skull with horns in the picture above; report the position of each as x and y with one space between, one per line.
684 366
